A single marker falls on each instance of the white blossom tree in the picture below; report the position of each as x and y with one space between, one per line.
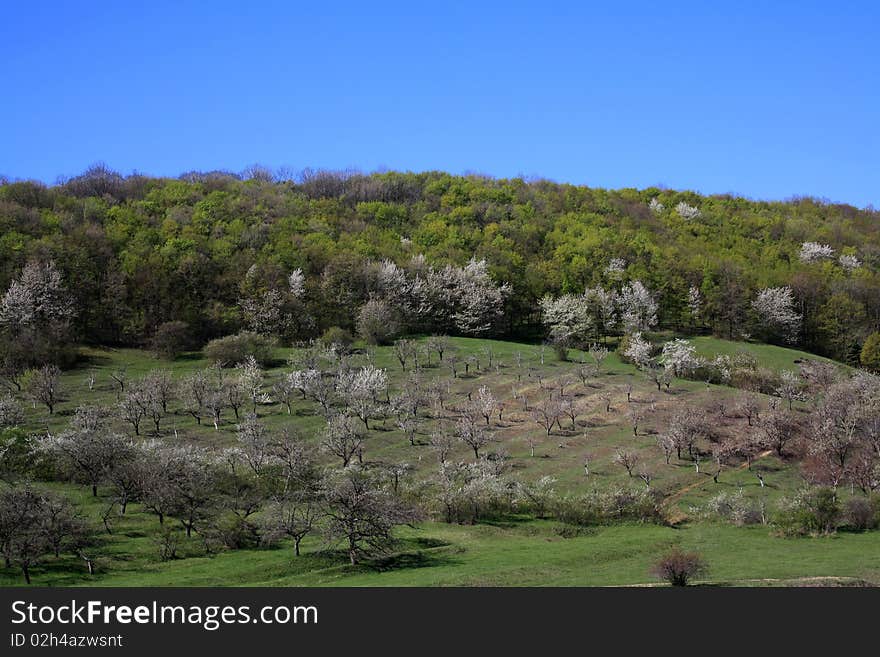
687 212
656 206
815 252
695 305
361 390
638 351
775 312
37 298
679 356
567 317
638 309
849 262
297 283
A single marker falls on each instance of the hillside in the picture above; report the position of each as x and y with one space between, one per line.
502 549
138 251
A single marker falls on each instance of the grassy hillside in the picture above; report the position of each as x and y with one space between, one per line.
504 553
596 434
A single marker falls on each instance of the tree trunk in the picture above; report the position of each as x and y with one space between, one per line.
27 575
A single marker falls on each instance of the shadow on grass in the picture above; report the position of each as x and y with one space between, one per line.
414 559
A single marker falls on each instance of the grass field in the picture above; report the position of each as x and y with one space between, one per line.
515 552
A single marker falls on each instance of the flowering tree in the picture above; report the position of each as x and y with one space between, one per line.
679 356
602 306
849 262
775 312
695 304
342 438
638 310
656 206
686 211
814 252
297 283
638 350
567 317
481 301
37 298
361 389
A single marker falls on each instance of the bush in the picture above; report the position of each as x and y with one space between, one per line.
678 567
560 347
376 322
11 414
863 513
234 349
337 338
170 340
870 356
605 507
810 512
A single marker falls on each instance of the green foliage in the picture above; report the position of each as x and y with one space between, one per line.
337 337
870 356
235 349
138 252
170 340
815 511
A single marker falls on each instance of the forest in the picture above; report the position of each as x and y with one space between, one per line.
402 378
216 252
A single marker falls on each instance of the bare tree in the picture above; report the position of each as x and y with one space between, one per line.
569 407
194 390
88 455
547 413
473 434
43 385
777 429
119 376
750 407
293 516
626 459
586 373
636 416
361 513
442 442
33 525
404 351
438 343
599 353
342 438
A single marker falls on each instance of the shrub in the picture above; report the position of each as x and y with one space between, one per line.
810 512
234 349
678 567
560 347
862 513
170 340
376 322
337 338
604 507
870 356
734 508
11 414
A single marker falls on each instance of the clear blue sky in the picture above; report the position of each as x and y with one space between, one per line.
763 99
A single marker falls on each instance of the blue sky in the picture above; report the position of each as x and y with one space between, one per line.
762 99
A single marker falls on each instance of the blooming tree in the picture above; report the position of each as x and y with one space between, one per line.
638 310
775 312
638 350
686 211
679 356
814 252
